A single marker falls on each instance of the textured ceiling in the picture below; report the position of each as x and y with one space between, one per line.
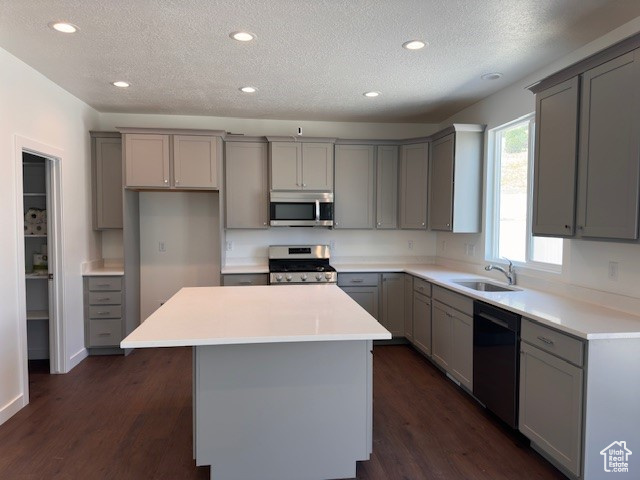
312 59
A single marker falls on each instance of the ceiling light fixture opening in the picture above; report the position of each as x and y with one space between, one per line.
248 89
242 36
414 44
121 84
64 27
371 94
491 76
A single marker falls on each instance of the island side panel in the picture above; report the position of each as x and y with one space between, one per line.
283 410
613 399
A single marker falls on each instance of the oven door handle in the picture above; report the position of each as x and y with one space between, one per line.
317 210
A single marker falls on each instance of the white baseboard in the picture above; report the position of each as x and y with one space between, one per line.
11 408
76 358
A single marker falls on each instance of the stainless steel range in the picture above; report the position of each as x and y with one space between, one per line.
300 264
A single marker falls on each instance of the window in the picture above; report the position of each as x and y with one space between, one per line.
510 182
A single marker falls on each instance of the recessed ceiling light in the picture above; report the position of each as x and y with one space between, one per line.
242 36
414 44
249 89
491 76
120 84
64 27
371 94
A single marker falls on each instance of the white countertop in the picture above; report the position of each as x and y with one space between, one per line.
581 319
259 314
102 271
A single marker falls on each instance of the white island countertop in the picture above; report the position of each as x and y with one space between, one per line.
259 314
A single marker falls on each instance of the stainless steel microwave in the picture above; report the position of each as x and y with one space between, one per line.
301 209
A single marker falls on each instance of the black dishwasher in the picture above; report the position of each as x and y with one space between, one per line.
496 360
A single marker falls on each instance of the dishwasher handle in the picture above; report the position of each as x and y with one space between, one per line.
495 320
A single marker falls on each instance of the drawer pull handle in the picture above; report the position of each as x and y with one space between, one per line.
357 280
104 334
103 313
103 285
104 299
545 340
246 282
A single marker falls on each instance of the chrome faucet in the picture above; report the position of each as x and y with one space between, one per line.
510 272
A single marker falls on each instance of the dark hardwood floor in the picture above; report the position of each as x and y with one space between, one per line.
130 418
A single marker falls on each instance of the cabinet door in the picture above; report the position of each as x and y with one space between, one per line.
462 349
286 169
408 307
195 162
441 184
366 297
440 335
107 183
393 303
609 165
422 323
355 180
387 188
246 185
555 163
551 405
317 166
147 160
413 186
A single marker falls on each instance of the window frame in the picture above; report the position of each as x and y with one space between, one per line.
493 198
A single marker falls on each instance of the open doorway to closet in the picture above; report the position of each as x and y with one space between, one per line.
39 216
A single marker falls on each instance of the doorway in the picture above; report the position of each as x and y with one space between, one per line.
39 221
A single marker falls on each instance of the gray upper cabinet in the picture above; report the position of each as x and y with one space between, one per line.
414 161
455 180
246 185
147 160
354 186
387 187
172 161
555 163
106 169
194 162
301 165
609 160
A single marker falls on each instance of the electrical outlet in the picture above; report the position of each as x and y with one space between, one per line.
229 245
410 244
613 271
161 246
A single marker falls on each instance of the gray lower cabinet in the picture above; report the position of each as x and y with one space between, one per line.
555 162
364 288
387 187
106 179
452 334
246 190
414 171
103 313
609 160
408 307
245 279
422 322
551 393
354 186
393 303
455 179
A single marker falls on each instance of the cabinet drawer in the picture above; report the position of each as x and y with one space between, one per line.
105 333
106 311
422 286
245 279
552 341
455 300
358 279
105 298
97 284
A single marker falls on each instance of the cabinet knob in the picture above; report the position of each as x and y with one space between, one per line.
567 226
177 182
423 224
379 223
304 184
579 227
448 224
166 181
264 223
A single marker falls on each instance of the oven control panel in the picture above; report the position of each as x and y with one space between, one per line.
284 278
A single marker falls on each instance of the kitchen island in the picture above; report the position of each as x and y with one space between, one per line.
282 377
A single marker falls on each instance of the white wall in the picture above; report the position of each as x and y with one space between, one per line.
31 106
585 262
188 224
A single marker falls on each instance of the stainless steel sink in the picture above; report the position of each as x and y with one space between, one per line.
483 286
